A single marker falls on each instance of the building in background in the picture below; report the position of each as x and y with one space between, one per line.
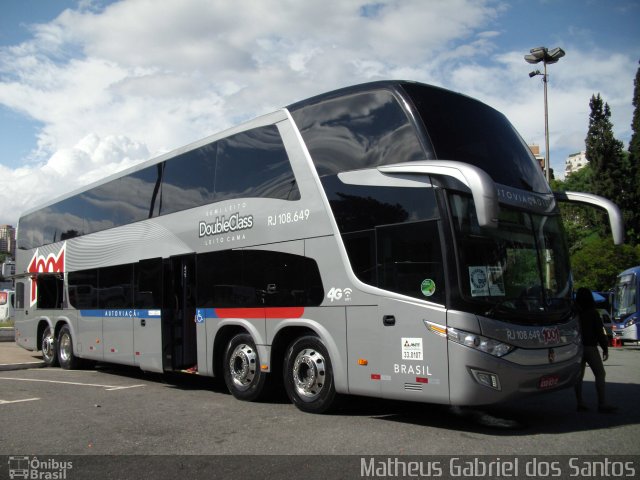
575 162
8 268
8 240
535 149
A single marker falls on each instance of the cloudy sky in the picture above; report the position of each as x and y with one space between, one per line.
90 87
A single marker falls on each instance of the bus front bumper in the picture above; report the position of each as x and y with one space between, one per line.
477 378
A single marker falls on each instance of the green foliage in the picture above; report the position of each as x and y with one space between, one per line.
604 152
580 222
614 174
597 263
614 171
632 219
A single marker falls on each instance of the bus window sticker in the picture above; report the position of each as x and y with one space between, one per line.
486 281
428 287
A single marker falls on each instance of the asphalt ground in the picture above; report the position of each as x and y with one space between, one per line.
119 422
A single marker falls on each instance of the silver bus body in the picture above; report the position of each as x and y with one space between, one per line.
378 261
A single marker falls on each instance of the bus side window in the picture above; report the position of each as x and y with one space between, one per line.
256 278
20 295
115 287
83 289
254 164
50 291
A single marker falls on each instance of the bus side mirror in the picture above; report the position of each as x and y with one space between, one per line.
615 216
483 189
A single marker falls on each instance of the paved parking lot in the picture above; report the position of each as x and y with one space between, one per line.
120 410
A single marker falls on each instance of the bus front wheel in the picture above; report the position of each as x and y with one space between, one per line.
308 376
241 369
66 357
48 347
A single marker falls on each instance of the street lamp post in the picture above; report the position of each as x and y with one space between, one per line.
547 57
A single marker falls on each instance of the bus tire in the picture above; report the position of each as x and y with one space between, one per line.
241 368
67 359
308 375
49 348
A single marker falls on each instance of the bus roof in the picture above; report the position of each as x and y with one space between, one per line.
392 85
628 271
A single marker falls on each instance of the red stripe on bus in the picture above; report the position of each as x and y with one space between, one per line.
268 312
284 312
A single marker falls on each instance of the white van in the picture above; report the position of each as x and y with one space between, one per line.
7 299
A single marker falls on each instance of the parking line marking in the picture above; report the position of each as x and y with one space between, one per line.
3 402
106 387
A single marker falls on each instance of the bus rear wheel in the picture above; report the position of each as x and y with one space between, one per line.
308 376
66 357
48 347
241 369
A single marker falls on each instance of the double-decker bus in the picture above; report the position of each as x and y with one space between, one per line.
390 239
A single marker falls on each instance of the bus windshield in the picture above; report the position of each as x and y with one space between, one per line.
625 297
518 272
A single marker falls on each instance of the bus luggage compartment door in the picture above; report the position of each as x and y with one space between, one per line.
147 324
147 340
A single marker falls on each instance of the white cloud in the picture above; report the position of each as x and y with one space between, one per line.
114 87
91 159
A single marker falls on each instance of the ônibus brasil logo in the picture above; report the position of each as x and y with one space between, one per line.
41 264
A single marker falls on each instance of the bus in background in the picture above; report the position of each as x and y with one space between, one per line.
6 305
625 306
390 239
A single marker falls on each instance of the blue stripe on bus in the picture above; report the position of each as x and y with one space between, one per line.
122 312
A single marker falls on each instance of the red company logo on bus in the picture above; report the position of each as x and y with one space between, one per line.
41 264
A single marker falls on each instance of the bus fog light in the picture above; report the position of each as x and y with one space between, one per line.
487 379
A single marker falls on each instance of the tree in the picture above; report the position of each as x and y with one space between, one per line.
579 221
614 174
605 155
633 227
597 263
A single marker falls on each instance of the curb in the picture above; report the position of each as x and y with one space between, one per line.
6 367
22 359
7 334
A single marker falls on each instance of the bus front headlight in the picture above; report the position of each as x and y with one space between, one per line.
630 321
478 342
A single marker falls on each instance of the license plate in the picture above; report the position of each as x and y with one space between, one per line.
548 381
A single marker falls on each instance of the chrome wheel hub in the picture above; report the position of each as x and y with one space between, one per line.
242 365
309 373
48 345
65 347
